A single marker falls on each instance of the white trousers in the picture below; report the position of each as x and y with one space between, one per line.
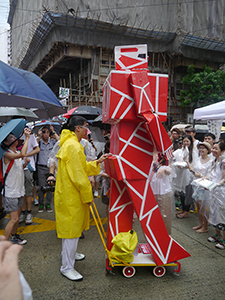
69 250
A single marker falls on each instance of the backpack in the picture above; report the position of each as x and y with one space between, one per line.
3 178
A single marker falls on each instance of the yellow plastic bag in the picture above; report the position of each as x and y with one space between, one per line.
124 244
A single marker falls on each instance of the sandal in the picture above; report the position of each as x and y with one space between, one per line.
180 216
179 212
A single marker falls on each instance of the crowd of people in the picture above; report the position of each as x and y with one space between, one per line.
48 160
198 180
39 161
36 157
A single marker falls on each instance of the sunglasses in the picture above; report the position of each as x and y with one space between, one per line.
84 127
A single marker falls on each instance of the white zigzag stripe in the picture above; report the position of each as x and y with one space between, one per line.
160 134
135 146
157 95
130 138
141 96
130 66
115 208
143 139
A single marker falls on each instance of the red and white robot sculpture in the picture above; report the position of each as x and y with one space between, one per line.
135 103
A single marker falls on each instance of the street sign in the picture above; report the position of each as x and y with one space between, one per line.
64 92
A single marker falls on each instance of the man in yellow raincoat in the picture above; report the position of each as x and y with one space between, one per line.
73 193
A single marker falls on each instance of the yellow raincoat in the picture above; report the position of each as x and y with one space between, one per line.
73 190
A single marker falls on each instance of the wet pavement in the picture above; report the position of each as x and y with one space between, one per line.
201 277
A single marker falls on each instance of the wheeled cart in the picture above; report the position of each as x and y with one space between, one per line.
143 257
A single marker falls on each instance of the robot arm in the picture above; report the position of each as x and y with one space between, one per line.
140 86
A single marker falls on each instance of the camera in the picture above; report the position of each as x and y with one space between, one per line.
48 188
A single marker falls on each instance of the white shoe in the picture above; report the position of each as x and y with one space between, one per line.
79 256
29 219
73 275
95 193
35 202
22 217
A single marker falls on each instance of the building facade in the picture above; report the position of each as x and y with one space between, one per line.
70 43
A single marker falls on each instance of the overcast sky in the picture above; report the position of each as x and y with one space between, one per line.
4 11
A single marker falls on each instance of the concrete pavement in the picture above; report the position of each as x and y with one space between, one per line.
201 277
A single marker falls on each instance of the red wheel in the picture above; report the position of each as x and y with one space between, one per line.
159 271
128 272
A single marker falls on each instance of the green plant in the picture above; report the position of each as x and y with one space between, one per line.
206 87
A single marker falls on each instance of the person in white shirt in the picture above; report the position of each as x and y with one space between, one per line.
162 189
32 149
190 155
14 184
192 132
201 195
210 138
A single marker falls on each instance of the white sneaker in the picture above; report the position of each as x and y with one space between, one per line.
215 238
95 193
29 219
22 217
35 202
16 239
79 256
73 275
221 245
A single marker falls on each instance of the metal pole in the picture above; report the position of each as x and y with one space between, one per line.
71 102
79 88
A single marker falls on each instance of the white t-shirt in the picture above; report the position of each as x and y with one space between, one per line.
32 143
14 184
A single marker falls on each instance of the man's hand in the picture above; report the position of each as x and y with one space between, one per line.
27 132
10 285
103 157
26 161
92 181
51 180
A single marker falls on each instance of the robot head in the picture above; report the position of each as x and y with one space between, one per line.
131 57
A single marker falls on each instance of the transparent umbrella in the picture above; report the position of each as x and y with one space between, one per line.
6 113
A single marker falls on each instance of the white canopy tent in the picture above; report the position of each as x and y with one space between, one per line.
214 114
214 111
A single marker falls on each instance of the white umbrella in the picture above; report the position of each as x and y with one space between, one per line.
6 113
179 126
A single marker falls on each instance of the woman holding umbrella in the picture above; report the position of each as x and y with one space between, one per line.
14 184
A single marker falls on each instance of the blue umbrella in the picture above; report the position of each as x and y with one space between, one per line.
15 127
19 88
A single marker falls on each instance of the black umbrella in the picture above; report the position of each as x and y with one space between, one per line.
98 123
88 112
56 126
